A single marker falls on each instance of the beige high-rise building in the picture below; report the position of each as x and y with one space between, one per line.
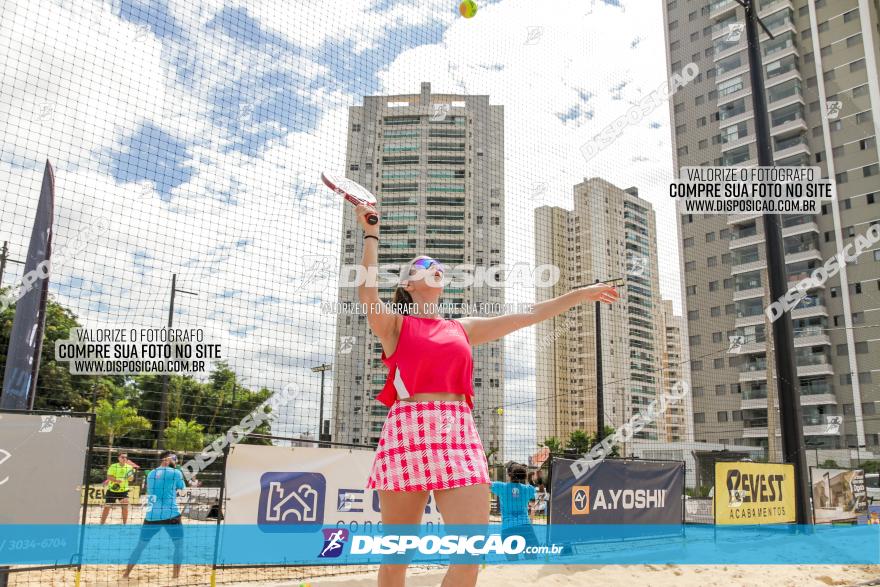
436 165
678 416
609 234
823 97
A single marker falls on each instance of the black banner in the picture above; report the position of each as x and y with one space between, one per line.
26 338
617 492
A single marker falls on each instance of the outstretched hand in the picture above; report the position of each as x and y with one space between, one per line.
600 292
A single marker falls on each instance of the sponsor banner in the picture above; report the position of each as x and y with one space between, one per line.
839 495
699 510
97 493
41 468
297 489
492 544
617 492
754 493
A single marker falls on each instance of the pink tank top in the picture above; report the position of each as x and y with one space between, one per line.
432 356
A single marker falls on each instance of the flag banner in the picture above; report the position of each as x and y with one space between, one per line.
26 339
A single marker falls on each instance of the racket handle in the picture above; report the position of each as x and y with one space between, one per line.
372 219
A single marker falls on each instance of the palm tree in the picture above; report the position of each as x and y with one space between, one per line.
184 436
115 420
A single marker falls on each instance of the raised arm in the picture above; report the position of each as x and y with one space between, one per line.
384 323
482 330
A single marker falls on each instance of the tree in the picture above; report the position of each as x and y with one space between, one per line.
116 420
553 444
829 464
57 389
580 441
184 436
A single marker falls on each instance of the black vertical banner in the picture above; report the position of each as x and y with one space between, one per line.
26 338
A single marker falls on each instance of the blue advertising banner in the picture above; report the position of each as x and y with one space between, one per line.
617 492
490 544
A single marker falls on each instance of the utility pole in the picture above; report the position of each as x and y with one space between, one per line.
163 411
600 399
4 258
790 413
321 369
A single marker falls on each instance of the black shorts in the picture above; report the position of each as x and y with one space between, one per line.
114 496
173 526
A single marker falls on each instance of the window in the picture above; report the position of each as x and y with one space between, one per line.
713 286
718 363
712 261
690 266
694 340
869 143
722 416
688 242
717 337
871 170
699 418
720 389
693 314
851 15
355 128
696 365
871 198
710 236
692 290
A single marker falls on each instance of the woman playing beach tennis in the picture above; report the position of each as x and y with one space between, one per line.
429 442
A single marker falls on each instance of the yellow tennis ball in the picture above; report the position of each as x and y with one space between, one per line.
468 8
500 411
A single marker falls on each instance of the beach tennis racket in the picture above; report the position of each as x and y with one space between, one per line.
351 191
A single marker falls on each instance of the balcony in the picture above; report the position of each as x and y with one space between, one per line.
720 8
748 266
817 369
737 218
800 229
791 124
818 399
811 337
809 311
756 375
806 255
754 432
744 294
819 430
790 147
745 241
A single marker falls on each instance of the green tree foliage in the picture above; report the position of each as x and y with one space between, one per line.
117 420
183 436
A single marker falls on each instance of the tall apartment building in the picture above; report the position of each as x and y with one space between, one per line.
821 77
609 234
436 165
678 416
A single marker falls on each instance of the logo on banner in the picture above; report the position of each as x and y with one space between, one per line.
580 499
334 541
754 493
291 498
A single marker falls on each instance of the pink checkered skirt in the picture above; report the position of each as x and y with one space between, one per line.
426 446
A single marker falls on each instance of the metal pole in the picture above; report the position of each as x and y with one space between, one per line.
163 410
321 411
786 370
3 255
600 400
321 368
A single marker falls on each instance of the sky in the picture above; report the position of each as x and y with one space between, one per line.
198 129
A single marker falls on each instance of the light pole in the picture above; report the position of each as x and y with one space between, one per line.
787 381
163 410
324 367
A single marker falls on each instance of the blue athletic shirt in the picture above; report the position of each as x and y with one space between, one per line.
162 486
513 501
